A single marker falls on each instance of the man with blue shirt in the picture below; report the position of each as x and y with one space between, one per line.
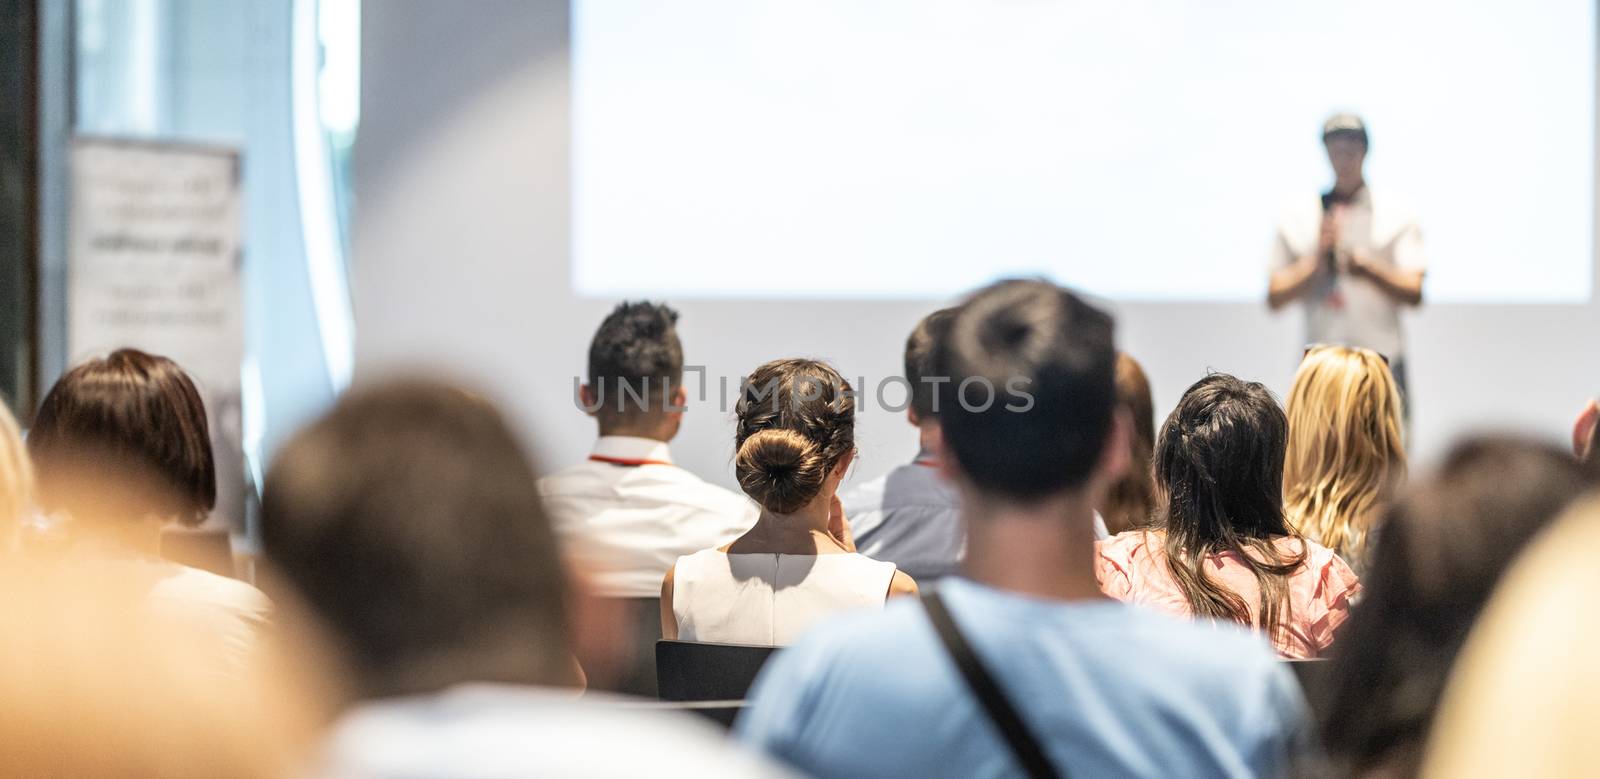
1098 688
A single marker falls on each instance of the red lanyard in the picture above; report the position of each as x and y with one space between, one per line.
630 462
926 463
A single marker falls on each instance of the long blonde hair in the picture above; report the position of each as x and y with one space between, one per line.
1346 450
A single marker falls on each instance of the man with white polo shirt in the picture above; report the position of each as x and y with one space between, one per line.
1354 260
627 513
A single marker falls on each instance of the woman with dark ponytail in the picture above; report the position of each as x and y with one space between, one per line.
795 441
1222 548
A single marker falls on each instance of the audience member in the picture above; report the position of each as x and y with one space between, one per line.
627 513
1131 501
95 684
1524 697
122 449
1222 549
16 479
1102 689
795 441
1583 430
1346 450
909 516
1444 548
409 520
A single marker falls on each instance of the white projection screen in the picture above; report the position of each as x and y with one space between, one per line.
1138 149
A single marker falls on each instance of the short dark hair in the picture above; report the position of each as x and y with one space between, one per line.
797 418
126 434
1030 337
1444 547
636 348
919 357
409 520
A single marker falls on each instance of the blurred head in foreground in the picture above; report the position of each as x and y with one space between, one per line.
121 444
93 683
409 521
1346 452
1524 700
1443 550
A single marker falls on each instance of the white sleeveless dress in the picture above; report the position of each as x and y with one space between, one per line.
770 599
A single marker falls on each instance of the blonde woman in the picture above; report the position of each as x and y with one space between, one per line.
1346 450
16 479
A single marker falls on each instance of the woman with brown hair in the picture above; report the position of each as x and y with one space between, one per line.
1132 499
1346 451
121 450
795 439
1221 549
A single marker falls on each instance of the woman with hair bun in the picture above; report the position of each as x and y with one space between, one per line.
795 441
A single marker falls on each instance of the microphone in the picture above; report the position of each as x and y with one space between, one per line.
1330 258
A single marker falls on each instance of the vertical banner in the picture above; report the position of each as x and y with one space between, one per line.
155 256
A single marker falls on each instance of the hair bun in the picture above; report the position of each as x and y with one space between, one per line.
781 469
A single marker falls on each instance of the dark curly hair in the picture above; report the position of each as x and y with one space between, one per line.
634 358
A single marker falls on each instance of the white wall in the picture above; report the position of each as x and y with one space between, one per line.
461 264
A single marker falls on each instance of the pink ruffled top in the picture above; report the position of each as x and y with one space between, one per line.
1132 567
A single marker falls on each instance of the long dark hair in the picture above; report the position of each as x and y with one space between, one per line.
1219 464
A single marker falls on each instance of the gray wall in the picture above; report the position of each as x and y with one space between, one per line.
461 263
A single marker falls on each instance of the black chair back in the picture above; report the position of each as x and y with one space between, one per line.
689 671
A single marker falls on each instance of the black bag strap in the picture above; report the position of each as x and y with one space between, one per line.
1024 745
